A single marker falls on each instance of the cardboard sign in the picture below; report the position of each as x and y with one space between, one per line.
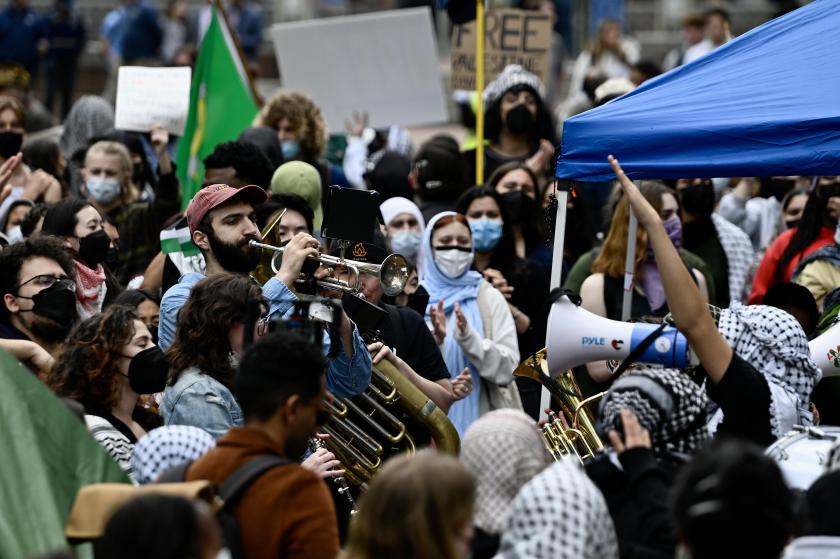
149 96
510 37
383 63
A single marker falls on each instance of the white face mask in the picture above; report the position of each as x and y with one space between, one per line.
102 190
14 235
406 243
453 262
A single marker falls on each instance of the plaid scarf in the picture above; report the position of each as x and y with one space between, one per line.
739 256
504 450
667 403
773 342
559 514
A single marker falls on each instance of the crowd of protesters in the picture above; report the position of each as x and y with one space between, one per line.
168 358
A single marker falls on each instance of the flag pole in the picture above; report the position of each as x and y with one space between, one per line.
241 53
479 89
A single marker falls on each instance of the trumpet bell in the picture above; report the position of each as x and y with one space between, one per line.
393 274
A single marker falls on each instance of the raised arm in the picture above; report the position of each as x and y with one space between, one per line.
684 298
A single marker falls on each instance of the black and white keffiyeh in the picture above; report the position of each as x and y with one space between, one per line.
739 256
667 403
166 447
559 514
504 449
772 341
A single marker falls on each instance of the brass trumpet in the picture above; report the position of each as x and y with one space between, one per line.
574 433
392 273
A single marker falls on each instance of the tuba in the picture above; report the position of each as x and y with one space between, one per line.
572 433
365 430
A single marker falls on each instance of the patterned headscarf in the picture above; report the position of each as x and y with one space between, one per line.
772 341
559 514
504 450
667 403
166 447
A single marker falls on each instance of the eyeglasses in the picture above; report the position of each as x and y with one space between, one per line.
45 281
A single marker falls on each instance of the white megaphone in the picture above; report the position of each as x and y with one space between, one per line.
576 336
825 351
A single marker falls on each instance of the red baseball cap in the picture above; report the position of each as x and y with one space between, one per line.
213 196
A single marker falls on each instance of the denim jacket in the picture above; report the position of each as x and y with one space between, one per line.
201 401
346 376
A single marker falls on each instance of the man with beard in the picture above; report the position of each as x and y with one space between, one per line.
222 222
37 282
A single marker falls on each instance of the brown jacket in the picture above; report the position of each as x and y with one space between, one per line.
287 512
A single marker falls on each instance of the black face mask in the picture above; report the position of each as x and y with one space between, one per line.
148 371
93 248
520 120
698 199
112 257
776 188
790 224
418 300
517 206
10 143
57 304
827 191
138 176
239 259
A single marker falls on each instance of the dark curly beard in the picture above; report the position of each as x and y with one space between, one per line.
237 258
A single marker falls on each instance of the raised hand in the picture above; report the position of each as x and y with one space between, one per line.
498 281
460 320
635 436
642 209
438 322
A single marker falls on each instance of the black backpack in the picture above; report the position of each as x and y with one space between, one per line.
229 493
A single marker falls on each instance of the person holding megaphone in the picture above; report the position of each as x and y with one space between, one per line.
756 359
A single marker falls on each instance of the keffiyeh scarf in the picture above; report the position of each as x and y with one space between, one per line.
166 447
667 403
773 342
504 450
559 514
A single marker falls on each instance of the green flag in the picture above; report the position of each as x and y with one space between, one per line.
221 104
47 456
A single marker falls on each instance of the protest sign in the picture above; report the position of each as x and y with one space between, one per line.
510 37
383 63
148 96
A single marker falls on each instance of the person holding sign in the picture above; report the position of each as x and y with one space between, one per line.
519 126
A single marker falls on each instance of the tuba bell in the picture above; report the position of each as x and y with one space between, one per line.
572 432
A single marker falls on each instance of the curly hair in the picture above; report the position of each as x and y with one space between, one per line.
13 257
305 117
86 369
215 305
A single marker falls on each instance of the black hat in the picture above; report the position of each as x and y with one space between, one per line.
373 252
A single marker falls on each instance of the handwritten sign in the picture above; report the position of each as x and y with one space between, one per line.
510 37
383 63
149 96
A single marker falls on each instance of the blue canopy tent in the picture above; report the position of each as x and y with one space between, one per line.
764 104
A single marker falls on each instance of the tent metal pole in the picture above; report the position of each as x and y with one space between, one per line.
559 239
629 268
479 89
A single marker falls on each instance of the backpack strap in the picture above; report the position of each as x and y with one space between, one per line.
237 482
175 474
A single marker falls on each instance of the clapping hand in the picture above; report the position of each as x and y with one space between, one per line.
438 322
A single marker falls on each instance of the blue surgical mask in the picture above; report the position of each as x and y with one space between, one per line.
290 148
103 190
486 233
406 243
